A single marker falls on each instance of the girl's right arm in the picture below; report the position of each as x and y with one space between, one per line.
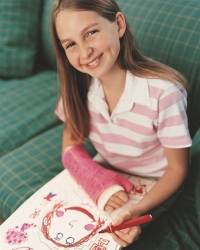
95 179
68 141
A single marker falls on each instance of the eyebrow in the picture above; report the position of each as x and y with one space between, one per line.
82 31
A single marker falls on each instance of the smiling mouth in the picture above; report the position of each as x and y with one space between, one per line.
94 62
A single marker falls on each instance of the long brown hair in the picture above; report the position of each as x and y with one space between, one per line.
75 85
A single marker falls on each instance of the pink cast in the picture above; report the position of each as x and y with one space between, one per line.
83 168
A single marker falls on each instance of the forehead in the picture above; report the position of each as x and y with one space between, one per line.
76 17
74 21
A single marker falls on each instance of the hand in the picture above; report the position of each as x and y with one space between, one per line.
116 200
126 236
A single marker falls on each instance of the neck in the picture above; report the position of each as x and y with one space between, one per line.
115 79
113 88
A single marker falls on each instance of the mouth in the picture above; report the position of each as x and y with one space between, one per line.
94 62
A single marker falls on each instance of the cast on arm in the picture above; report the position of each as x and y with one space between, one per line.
98 182
94 178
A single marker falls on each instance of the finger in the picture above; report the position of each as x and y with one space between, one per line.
119 240
132 191
109 208
113 204
116 199
123 196
123 216
130 233
127 236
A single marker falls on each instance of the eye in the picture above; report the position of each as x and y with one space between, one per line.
69 45
90 33
59 236
70 240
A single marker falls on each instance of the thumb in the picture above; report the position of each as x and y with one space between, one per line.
117 221
122 217
126 184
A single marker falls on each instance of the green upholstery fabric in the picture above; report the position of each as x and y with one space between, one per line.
27 108
47 45
195 154
164 32
26 169
19 26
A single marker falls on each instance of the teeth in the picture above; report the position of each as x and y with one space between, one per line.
92 63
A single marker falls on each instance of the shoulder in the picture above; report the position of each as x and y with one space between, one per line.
162 88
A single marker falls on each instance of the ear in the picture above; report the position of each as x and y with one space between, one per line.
121 23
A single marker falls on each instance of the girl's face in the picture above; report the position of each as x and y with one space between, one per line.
91 42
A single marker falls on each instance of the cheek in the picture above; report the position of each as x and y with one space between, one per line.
112 43
72 59
116 48
89 227
116 42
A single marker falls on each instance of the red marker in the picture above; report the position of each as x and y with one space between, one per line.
130 223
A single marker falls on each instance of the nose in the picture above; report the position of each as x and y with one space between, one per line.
85 51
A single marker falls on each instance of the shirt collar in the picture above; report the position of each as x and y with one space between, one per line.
136 91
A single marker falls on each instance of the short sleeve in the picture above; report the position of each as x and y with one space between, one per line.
172 119
59 111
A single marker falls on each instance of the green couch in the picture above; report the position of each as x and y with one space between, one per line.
30 134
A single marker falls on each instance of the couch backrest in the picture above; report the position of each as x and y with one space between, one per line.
169 31
47 55
19 29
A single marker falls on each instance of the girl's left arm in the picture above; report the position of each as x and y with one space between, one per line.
165 187
170 182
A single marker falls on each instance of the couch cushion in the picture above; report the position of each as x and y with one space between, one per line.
195 165
19 26
26 169
27 108
169 32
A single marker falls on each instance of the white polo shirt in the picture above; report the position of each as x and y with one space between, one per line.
150 115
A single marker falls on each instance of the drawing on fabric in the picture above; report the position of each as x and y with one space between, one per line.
100 245
61 221
142 186
58 218
16 236
70 226
35 214
23 248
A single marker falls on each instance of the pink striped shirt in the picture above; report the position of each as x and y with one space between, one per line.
150 115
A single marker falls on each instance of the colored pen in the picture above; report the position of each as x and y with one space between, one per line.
130 223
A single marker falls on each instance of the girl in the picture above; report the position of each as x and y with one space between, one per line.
132 108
